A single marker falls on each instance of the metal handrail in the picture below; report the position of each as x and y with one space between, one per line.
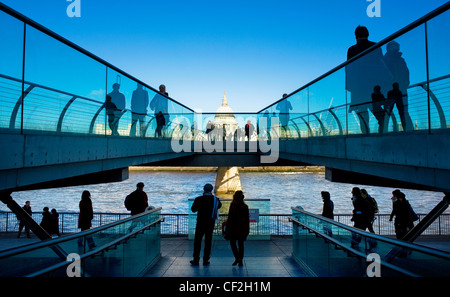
422 249
352 250
62 239
96 251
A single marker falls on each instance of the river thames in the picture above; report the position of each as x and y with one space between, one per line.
172 189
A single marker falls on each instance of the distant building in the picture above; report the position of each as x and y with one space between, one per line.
225 118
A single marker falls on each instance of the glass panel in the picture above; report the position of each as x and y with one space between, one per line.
334 250
68 86
377 106
323 96
439 65
405 59
127 258
11 58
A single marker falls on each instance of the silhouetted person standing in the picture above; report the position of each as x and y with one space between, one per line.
206 207
54 227
249 128
137 201
328 205
399 74
22 224
85 217
118 99
139 103
362 74
46 222
284 107
160 122
238 226
86 211
360 216
160 103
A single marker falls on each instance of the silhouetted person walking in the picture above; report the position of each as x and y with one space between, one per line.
378 101
139 103
111 111
396 97
206 207
362 74
22 224
238 226
372 208
401 210
399 74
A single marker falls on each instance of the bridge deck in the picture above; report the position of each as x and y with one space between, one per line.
263 258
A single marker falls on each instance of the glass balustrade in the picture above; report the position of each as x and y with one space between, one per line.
50 85
329 248
120 249
399 85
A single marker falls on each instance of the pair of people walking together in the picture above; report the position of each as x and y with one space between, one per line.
238 226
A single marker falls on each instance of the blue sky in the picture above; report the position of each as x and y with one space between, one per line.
253 50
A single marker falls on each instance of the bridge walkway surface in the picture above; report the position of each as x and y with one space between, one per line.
263 258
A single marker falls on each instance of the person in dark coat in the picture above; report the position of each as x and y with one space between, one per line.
27 208
160 123
86 212
85 217
362 75
401 209
139 200
238 226
54 228
249 128
328 206
206 207
46 222
360 216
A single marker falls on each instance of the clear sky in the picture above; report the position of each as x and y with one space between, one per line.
253 50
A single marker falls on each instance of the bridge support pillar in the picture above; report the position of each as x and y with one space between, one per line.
227 180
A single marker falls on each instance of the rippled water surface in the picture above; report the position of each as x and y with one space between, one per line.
171 191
